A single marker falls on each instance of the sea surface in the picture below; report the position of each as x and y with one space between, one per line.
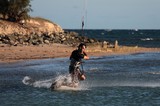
117 80
132 37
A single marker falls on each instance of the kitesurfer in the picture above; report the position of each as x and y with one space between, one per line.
75 61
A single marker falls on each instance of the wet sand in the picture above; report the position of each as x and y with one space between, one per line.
20 53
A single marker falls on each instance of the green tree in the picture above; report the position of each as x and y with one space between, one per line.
3 8
15 10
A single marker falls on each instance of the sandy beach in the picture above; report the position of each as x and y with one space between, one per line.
21 53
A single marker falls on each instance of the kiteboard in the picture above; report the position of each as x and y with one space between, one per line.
63 88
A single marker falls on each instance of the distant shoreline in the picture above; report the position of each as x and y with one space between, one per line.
10 54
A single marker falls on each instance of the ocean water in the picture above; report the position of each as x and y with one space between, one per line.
134 37
118 80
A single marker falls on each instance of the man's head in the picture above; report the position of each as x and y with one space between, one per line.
82 46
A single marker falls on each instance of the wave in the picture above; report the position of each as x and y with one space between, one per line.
151 84
154 73
147 39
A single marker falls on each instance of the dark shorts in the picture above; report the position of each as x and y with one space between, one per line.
71 69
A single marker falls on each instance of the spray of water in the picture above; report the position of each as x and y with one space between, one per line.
60 79
40 84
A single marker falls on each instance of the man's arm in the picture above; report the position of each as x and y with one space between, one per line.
85 55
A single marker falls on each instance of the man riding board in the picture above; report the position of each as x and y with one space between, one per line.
76 58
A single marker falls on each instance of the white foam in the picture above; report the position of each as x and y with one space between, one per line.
26 80
61 79
41 83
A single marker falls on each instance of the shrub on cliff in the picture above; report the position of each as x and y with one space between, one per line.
15 10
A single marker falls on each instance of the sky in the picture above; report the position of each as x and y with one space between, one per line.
99 14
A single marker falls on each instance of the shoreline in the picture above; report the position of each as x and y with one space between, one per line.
10 54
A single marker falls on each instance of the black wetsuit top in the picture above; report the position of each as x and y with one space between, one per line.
77 55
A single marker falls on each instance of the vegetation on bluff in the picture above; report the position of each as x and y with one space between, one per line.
15 10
